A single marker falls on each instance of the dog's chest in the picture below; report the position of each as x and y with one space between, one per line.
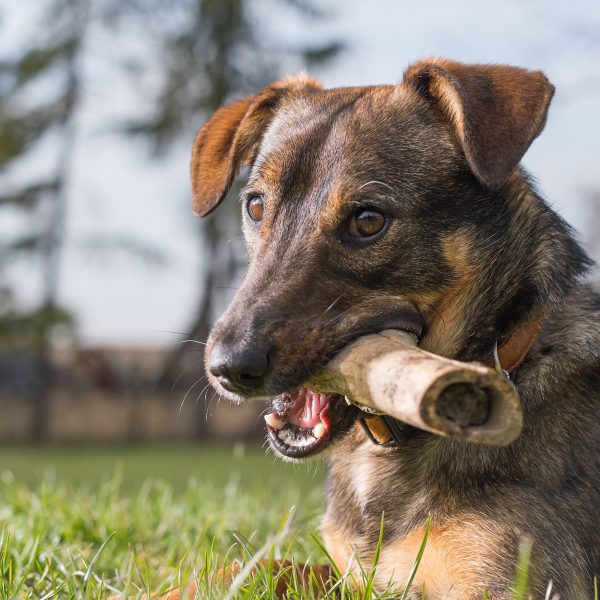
366 481
364 485
437 576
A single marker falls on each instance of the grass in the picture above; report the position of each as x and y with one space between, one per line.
90 523
83 523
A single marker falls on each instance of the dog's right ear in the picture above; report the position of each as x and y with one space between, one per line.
231 138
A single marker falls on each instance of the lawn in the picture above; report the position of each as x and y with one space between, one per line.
134 520
86 522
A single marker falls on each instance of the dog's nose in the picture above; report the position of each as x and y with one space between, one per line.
241 370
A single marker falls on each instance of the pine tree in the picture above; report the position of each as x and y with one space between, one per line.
217 56
30 115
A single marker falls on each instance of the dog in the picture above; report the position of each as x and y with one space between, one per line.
405 207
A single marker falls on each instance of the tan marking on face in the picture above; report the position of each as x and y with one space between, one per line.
424 300
269 173
449 312
333 208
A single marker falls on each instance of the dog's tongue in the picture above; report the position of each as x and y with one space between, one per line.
309 409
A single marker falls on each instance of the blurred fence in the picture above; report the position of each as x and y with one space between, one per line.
138 73
108 395
145 74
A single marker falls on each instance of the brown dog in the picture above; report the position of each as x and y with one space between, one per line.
403 206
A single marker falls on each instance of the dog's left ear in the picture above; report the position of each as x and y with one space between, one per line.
495 110
231 138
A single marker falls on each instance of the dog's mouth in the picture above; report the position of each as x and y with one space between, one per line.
304 422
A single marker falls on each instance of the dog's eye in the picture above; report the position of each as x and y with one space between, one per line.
366 223
255 208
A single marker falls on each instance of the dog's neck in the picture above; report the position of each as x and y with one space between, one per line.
511 290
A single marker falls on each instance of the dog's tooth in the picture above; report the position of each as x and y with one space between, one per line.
307 441
319 430
274 422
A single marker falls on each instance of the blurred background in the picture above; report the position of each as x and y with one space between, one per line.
108 284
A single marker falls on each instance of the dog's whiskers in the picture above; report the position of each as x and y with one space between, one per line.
192 342
375 182
169 331
339 316
188 392
209 405
204 389
177 380
330 307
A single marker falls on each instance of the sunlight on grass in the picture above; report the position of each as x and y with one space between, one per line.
522 571
81 534
73 530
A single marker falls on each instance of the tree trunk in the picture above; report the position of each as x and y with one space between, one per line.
53 240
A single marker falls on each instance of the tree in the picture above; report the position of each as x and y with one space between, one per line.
209 53
52 54
214 56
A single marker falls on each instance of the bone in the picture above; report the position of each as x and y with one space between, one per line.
386 373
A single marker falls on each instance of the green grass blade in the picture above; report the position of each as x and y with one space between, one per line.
417 562
522 574
94 560
371 578
251 564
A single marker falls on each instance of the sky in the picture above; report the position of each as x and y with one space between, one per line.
118 190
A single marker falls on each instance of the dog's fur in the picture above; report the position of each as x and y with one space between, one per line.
475 251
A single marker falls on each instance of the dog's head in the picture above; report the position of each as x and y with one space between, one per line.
366 209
